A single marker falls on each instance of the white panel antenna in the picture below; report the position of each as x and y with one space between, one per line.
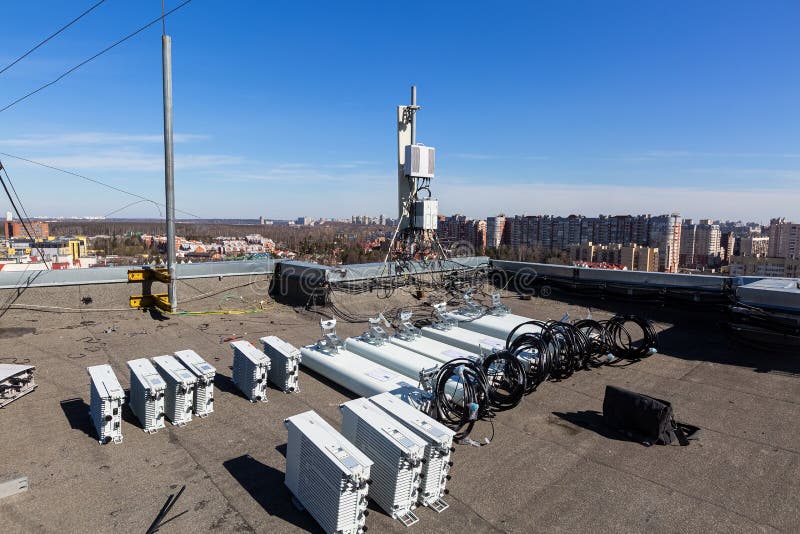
473 316
284 359
204 372
425 214
419 161
327 474
179 398
250 370
473 345
433 349
105 408
397 452
329 358
464 339
398 359
147 394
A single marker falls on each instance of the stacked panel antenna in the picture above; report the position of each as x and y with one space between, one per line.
433 349
398 359
438 446
147 394
107 398
284 363
250 370
397 452
477 345
15 381
464 339
327 474
498 326
179 398
360 375
204 372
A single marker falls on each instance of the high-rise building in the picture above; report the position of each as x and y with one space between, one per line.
755 245
665 234
727 242
495 230
784 239
457 231
688 230
707 244
700 244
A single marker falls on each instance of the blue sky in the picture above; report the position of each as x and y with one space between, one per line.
287 108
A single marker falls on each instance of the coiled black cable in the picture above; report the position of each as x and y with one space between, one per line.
534 347
571 345
599 344
506 379
465 400
624 341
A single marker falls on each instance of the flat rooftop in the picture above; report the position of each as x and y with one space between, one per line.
551 466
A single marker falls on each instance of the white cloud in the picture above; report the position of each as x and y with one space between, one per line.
94 138
139 162
654 154
753 173
289 176
474 156
355 164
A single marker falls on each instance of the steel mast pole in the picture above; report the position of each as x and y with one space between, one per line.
413 114
169 167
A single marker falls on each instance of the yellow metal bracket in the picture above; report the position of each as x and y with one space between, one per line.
148 299
158 300
142 275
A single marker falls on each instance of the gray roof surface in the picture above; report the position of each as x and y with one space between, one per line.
551 467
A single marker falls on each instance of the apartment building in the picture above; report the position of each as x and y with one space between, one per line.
764 266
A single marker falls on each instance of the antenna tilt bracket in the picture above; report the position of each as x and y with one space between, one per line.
442 322
498 308
330 341
409 111
407 330
376 334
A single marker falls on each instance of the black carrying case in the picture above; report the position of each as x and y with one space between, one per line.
643 418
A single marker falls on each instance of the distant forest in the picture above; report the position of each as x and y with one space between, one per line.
296 238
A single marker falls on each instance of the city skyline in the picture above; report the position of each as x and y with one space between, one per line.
356 218
654 110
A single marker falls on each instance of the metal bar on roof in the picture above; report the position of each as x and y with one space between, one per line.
119 275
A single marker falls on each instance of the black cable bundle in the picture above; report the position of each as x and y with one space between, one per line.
599 344
506 379
572 348
535 347
468 400
623 340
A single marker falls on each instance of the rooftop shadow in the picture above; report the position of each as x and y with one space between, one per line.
226 385
265 485
330 383
591 420
698 333
77 413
